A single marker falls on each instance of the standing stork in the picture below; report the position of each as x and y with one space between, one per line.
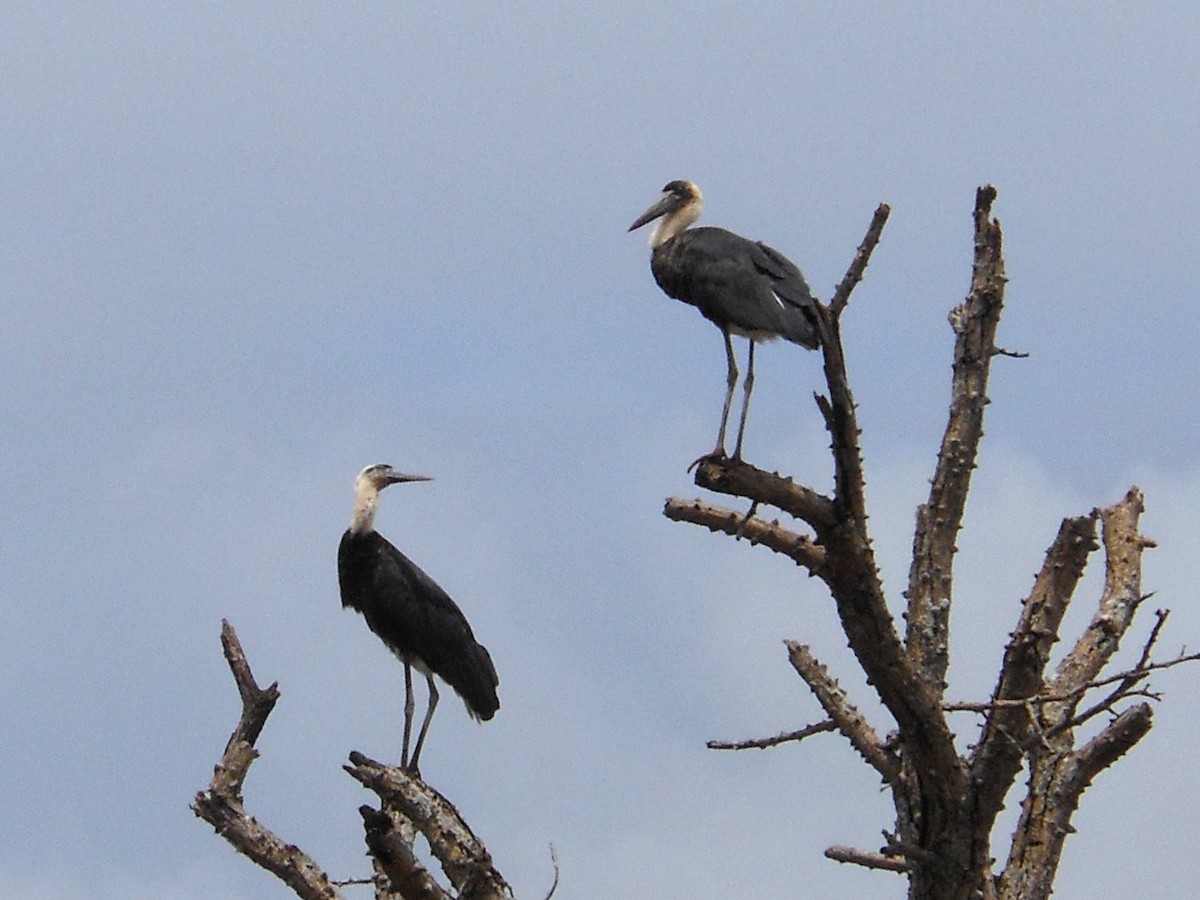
410 613
743 287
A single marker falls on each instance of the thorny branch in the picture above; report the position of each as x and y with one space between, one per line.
409 806
850 722
738 478
798 547
786 737
1059 773
997 758
1129 679
221 805
1120 599
946 805
408 800
940 517
854 274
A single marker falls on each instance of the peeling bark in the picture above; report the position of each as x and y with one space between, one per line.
410 807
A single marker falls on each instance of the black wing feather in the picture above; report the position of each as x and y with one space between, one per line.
737 283
415 618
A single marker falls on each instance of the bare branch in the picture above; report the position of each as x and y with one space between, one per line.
1113 742
1059 774
462 855
401 874
772 535
1028 651
867 859
1128 679
1057 783
838 410
841 420
1121 597
850 722
740 479
997 758
1013 354
940 517
257 703
841 294
786 737
221 805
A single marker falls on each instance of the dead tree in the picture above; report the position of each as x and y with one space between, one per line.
408 808
946 802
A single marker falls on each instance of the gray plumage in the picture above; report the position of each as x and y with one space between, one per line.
744 287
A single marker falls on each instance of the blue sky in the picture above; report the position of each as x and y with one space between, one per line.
248 251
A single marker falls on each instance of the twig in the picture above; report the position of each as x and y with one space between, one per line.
1138 673
854 274
1132 676
554 861
1012 354
787 736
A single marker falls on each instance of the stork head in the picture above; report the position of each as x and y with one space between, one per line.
678 207
367 486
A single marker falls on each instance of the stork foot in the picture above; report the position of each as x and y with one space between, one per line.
741 529
719 453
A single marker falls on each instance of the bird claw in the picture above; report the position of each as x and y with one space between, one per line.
741 529
719 453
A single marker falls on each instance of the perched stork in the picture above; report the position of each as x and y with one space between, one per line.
743 287
414 617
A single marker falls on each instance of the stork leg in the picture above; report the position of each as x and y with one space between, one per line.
747 387
433 700
730 383
409 709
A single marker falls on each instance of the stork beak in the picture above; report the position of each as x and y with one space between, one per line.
394 477
668 202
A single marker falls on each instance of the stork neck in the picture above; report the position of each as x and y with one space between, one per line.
364 509
672 224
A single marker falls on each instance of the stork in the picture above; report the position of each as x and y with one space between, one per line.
742 286
410 613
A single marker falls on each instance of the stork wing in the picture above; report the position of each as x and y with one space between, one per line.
788 282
